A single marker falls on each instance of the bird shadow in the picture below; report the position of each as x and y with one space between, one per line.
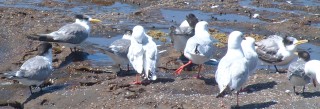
260 86
209 81
163 80
310 94
73 57
123 73
255 105
46 90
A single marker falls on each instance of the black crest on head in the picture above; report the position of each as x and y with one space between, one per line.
128 32
192 20
82 17
43 48
304 55
288 40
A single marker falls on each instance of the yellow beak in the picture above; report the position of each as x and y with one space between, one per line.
301 42
95 20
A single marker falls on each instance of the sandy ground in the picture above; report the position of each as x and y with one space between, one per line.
80 84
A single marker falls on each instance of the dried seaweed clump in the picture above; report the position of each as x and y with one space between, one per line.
156 34
257 37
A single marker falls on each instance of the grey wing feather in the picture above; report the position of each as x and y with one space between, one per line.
297 69
120 47
70 33
34 66
269 57
267 49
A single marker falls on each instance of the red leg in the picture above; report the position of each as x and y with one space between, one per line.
198 75
178 71
137 82
314 83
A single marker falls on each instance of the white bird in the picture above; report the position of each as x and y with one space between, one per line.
232 71
143 54
250 53
73 33
118 50
199 48
179 36
36 70
277 50
311 69
296 74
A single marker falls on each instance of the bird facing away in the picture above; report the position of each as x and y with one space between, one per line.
250 53
311 69
179 36
277 50
296 74
143 54
36 70
73 33
118 50
199 48
232 71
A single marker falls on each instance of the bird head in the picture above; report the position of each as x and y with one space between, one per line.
85 18
138 33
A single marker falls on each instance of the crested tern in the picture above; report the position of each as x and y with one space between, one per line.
36 70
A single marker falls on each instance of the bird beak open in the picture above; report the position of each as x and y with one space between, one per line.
301 42
95 20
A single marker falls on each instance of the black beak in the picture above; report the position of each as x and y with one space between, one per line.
244 38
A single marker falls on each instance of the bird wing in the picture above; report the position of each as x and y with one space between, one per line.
135 56
34 66
150 60
296 68
119 47
223 75
267 49
70 33
239 73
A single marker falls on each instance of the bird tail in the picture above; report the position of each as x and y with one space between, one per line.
223 93
10 75
41 37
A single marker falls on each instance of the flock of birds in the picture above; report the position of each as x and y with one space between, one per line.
192 39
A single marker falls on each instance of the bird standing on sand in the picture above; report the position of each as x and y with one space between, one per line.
118 50
199 48
143 54
73 33
250 53
233 70
277 50
179 36
36 70
296 74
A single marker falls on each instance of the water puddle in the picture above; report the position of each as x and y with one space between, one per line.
247 4
80 7
177 16
304 2
236 18
117 7
314 50
28 4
